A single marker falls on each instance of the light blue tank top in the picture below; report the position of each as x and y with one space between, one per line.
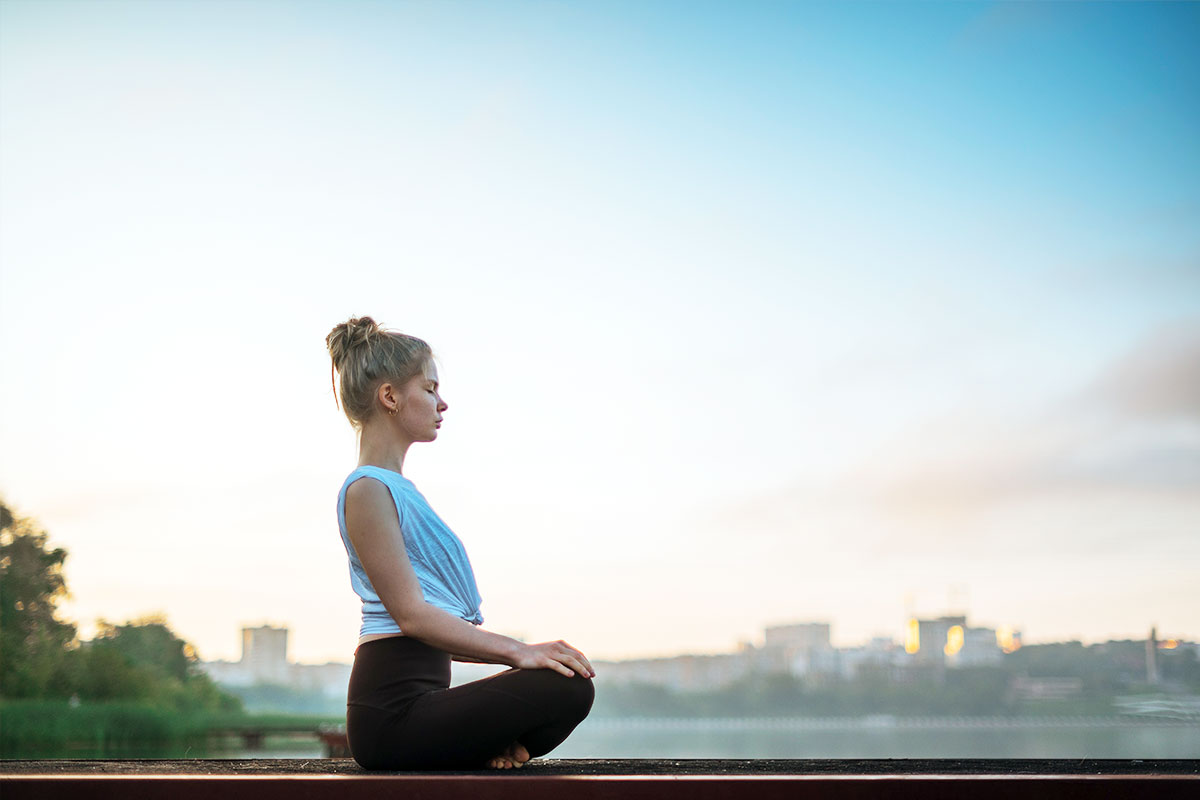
437 556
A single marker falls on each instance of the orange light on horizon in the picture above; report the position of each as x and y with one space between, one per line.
954 640
912 638
1169 644
1007 639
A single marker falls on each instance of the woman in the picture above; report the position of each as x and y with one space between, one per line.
420 604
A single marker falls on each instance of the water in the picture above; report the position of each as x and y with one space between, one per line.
879 737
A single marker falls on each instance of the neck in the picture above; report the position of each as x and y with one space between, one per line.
380 447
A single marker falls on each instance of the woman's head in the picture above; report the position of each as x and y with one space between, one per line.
366 356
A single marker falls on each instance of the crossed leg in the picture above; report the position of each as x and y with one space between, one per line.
501 721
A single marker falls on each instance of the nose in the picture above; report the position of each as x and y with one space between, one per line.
442 404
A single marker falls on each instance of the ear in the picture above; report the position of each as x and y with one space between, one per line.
388 397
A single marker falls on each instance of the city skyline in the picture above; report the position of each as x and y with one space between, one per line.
743 312
896 638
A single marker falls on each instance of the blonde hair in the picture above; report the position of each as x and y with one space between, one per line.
365 355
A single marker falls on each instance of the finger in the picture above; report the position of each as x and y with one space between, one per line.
582 665
588 670
578 667
566 649
574 659
560 667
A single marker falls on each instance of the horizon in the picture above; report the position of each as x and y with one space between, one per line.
898 641
755 642
743 313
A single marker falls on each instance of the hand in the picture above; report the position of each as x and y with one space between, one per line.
558 656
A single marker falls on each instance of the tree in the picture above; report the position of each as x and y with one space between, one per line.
32 637
141 660
149 644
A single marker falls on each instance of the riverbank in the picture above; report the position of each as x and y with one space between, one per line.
58 729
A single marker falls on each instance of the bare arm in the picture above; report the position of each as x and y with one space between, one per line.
466 659
374 531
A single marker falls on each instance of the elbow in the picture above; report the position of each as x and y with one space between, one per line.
412 620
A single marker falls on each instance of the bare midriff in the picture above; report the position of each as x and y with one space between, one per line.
370 637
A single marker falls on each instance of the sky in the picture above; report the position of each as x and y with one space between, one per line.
746 313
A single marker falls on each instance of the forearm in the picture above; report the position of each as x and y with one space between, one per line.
466 659
454 635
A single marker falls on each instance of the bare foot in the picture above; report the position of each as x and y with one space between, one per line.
515 755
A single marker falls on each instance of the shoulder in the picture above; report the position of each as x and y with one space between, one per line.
371 498
367 489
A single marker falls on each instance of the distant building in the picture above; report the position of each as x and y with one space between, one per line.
264 654
264 661
880 655
803 635
948 642
684 673
936 639
801 650
979 649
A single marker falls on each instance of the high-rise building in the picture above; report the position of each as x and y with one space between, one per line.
802 635
264 653
936 639
265 661
802 649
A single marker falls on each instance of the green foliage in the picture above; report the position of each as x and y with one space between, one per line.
141 662
149 645
32 638
57 728
51 728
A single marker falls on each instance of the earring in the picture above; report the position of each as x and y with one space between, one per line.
392 412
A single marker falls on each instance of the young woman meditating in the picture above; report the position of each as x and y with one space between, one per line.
420 605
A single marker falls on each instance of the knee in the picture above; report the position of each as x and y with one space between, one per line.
578 695
589 694
569 697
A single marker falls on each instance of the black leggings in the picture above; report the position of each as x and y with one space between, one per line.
400 713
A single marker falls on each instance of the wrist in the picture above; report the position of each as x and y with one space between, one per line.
515 651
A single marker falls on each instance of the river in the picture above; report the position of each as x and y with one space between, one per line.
873 737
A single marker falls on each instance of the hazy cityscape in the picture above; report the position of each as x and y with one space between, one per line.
930 650
945 687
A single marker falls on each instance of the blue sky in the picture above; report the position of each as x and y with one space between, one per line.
747 313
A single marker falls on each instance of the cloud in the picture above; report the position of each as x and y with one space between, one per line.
1158 381
1121 454
1135 429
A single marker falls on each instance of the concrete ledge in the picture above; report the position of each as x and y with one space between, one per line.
585 779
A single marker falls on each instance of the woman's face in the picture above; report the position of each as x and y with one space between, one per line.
420 413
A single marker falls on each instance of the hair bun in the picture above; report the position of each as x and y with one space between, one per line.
350 335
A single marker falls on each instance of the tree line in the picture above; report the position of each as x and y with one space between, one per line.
42 657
